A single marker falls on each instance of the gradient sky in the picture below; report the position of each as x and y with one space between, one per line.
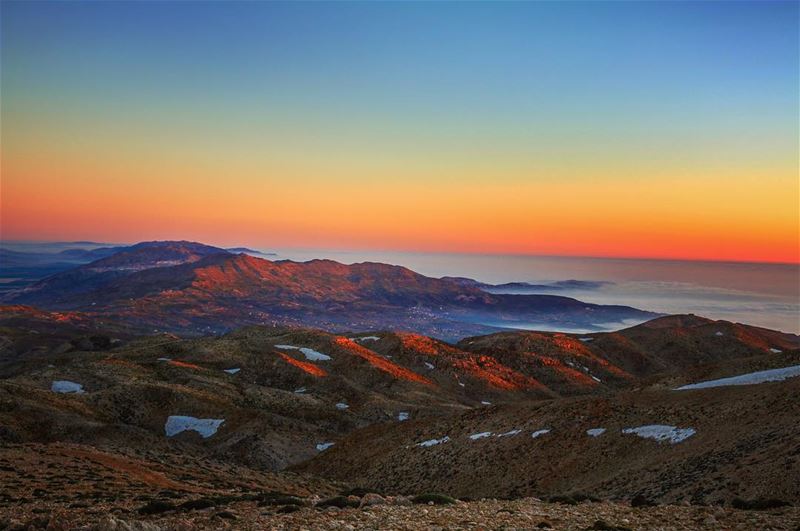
611 129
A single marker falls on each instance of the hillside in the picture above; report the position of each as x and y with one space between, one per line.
265 418
740 443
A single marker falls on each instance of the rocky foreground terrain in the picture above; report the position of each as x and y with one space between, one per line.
67 486
296 428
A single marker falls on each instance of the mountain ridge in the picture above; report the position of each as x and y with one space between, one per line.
193 288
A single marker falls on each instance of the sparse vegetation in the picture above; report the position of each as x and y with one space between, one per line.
602 525
759 504
640 500
434 498
342 502
157 507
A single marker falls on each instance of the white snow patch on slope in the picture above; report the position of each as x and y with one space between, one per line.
586 339
771 375
341 406
775 350
321 447
430 366
164 359
232 371
718 334
483 434
300 390
539 433
366 338
403 415
205 427
434 442
595 432
65 386
287 347
486 403
508 433
661 433
313 355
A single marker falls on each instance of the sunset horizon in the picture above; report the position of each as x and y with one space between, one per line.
674 140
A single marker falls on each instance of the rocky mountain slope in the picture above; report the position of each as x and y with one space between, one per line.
282 393
249 426
708 446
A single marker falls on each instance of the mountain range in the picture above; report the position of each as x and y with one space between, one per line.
193 288
180 384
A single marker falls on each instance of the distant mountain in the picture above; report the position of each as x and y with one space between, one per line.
89 255
246 250
68 289
194 288
527 287
20 268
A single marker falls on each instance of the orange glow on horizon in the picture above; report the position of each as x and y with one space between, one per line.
726 215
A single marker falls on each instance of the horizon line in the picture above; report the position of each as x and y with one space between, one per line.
422 252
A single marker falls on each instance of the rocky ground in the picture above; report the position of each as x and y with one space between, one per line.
528 513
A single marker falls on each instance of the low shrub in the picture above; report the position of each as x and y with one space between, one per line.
437 499
282 500
198 504
602 525
563 499
157 507
358 491
758 504
640 500
342 502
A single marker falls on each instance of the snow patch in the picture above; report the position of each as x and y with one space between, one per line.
661 433
539 433
434 442
403 415
430 366
752 378
586 339
321 447
508 433
205 427
232 371
365 338
595 378
486 403
775 350
309 353
341 406
164 359
481 435
595 432
718 334
313 355
65 386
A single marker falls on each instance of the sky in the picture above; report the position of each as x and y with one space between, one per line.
622 129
